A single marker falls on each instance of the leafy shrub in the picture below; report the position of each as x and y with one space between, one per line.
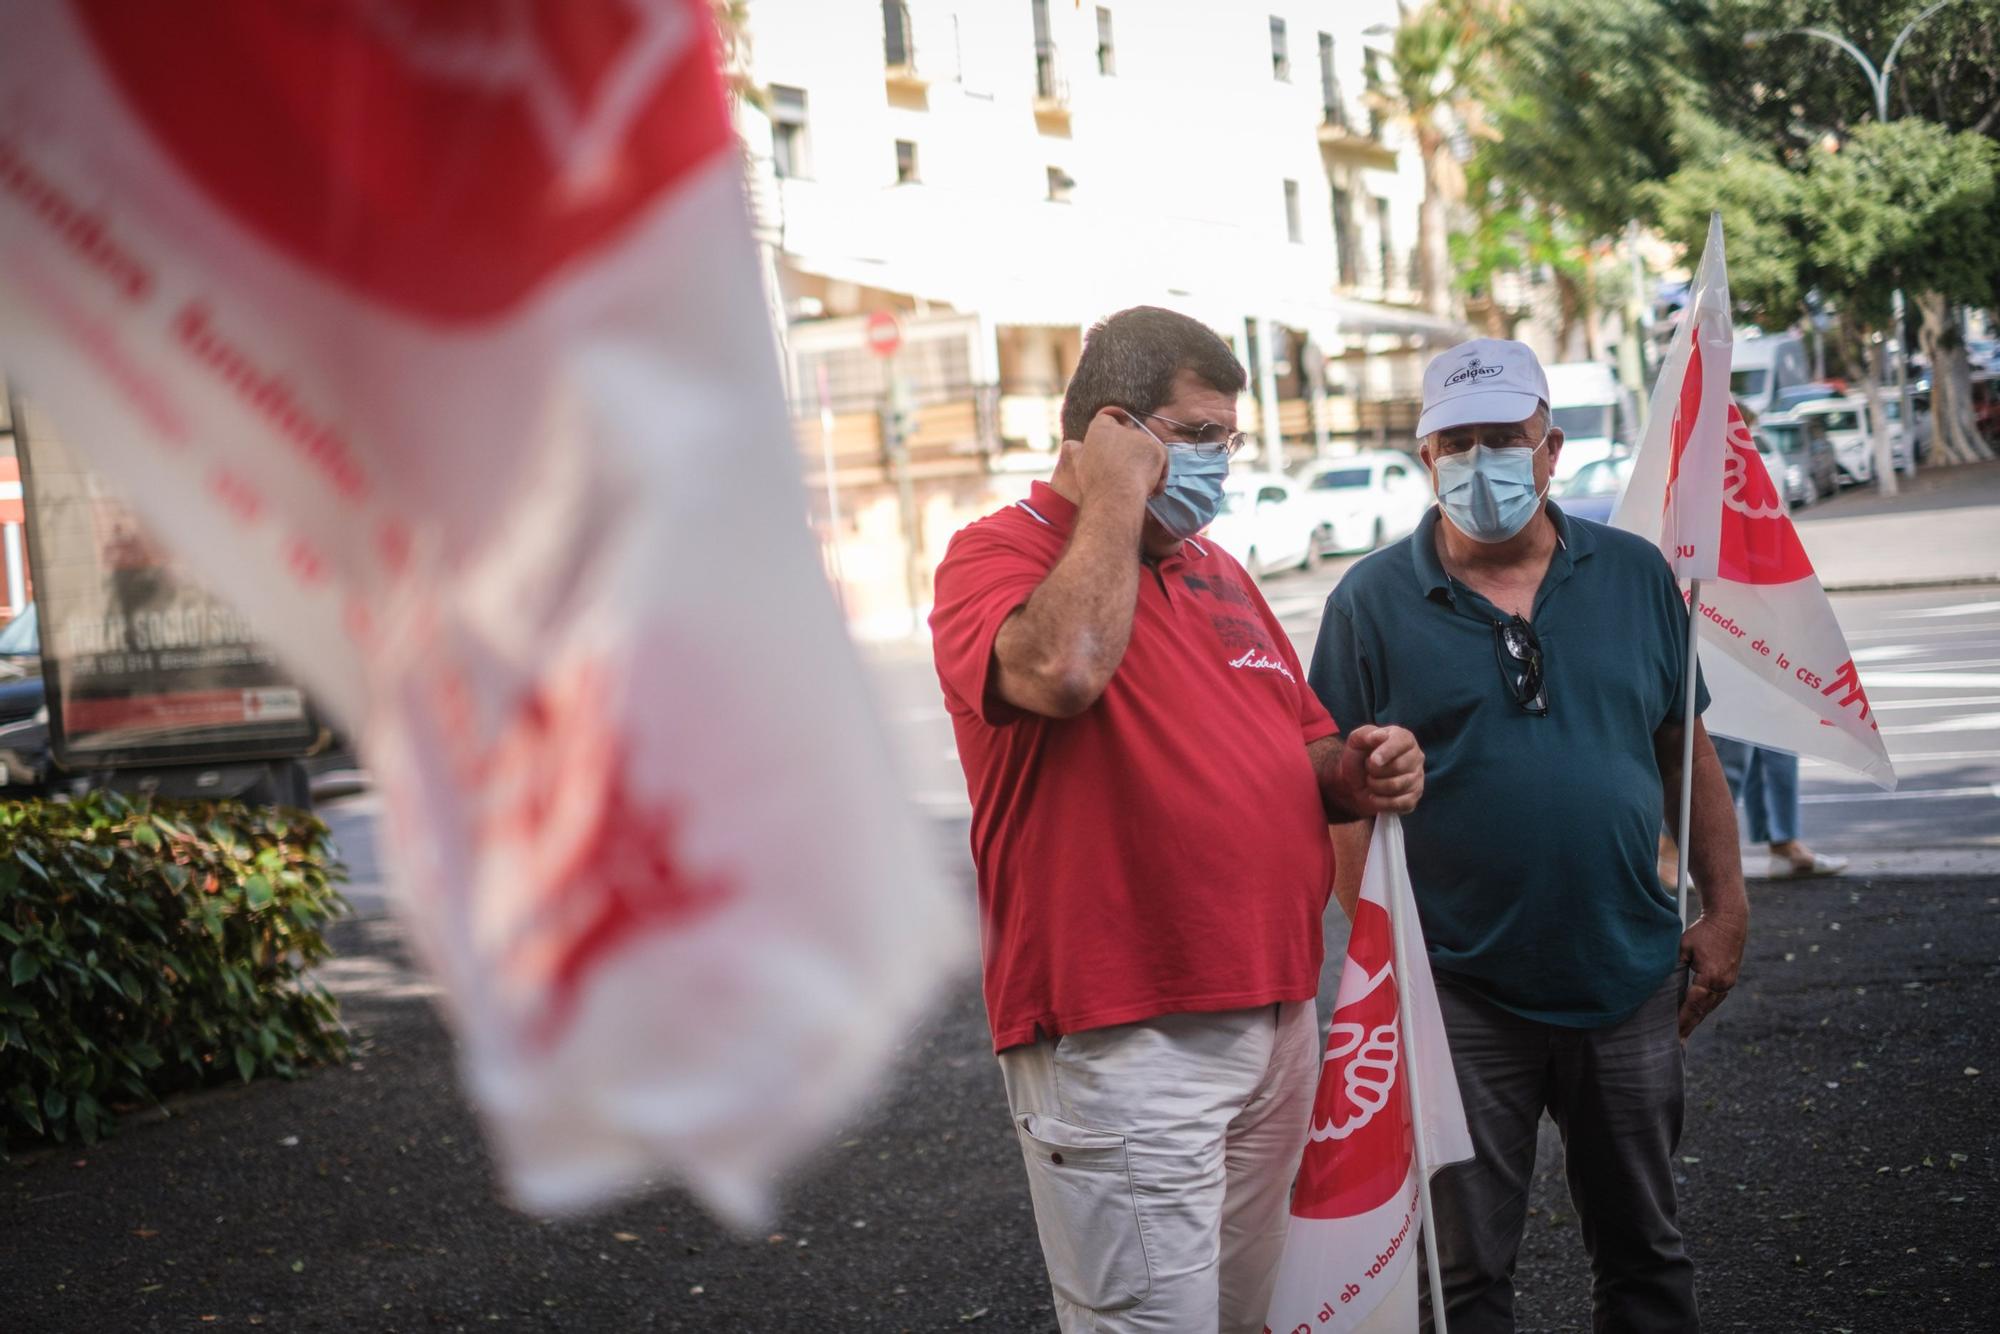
152 946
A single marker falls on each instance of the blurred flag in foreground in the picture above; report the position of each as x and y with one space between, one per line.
431 335
1350 1259
1777 665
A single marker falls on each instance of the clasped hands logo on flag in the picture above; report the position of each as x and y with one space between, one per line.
1351 1249
1777 664
413 328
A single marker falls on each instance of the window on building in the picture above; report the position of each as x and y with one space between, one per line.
1329 86
1048 83
1388 242
1281 60
896 48
1292 233
790 154
1061 186
1343 236
1107 54
1371 76
906 162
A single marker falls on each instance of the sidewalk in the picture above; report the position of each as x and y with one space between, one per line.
1942 529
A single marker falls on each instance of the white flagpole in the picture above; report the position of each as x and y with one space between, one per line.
1404 1011
1682 839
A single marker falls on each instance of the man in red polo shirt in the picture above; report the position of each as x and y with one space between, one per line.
1151 782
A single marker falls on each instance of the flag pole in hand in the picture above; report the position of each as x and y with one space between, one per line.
1681 877
1398 934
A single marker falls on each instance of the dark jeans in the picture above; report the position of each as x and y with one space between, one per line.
1616 1095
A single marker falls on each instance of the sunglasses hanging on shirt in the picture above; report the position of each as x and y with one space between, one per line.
1520 655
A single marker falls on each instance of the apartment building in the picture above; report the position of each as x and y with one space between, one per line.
999 174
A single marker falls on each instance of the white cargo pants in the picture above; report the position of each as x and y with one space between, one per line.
1160 1157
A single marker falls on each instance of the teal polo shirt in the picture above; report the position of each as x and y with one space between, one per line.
1532 853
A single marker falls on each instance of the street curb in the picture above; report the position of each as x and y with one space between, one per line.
1915 585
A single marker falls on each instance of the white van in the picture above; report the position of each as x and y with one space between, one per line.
1761 365
1593 410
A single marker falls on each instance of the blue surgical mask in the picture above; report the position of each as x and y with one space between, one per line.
1489 494
1193 494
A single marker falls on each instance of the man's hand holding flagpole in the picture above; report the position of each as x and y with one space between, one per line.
1778 670
1386 1116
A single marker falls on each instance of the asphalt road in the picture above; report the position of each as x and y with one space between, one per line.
1930 660
1840 1171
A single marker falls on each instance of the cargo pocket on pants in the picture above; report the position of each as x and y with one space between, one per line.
1081 1183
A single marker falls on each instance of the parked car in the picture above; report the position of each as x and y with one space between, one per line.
1809 466
1798 395
1264 524
1763 366
1593 493
1986 404
20 667
1360 501
1845 421
1595 413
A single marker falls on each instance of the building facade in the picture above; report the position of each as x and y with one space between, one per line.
997 175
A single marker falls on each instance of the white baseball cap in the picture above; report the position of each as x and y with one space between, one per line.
1483 380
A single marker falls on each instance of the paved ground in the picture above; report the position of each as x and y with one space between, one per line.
1839 1172
1840 1166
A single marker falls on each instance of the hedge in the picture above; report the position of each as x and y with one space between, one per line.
155 946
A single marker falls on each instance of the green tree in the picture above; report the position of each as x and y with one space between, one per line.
1582 97
1764 223
1432 58
1910 204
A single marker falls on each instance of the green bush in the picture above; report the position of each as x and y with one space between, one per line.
152 946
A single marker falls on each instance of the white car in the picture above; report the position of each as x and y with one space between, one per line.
1845 420
1263 524
1360 501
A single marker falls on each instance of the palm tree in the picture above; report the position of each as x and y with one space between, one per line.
1431 61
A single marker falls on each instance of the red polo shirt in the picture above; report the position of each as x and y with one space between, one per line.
1165 851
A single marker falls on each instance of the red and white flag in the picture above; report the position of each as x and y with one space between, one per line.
431 335
1778 668
1685 427
1350 1259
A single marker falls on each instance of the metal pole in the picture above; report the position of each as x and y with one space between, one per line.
832 489
1682 838
1393 836
1634 362
1267 398
898 417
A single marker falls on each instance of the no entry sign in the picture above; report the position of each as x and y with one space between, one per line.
884 333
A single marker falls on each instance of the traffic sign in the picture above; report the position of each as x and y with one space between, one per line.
884 333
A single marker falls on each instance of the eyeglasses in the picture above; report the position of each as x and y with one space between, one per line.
1208 439
1521 668
1451 446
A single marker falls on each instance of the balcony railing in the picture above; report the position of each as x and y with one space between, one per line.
897 49
1051 89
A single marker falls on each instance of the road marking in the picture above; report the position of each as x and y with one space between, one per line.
1951 664
1955 609
1295 606
1915 757
1928 680
1970 722
952 803
1941 793
1930 632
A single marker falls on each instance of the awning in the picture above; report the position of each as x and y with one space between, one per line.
1334 320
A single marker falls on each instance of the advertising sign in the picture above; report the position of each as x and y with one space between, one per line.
141 665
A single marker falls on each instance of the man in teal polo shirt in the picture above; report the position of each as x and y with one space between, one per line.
1540 662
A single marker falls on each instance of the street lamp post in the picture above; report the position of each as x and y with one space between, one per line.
1878 80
